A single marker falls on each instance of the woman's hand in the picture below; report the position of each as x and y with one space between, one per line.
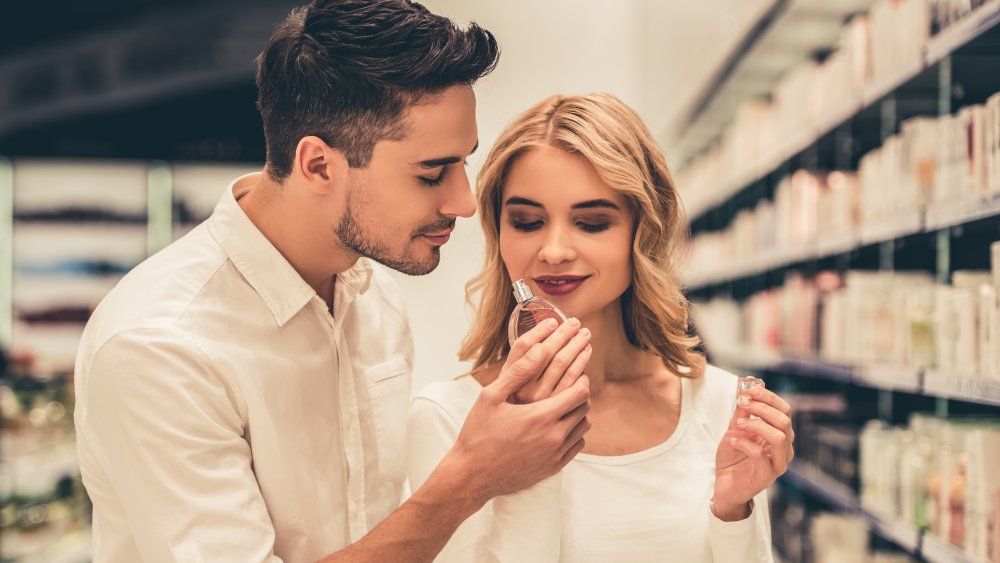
753 453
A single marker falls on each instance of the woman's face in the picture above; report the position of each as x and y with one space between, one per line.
565 232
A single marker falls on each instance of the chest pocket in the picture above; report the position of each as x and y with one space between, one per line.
388 387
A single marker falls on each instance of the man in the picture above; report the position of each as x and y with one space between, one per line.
242 394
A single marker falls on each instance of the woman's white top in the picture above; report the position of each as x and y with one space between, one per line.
647 506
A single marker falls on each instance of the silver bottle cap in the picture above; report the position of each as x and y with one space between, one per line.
521 291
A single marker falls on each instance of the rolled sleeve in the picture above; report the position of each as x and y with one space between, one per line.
167 432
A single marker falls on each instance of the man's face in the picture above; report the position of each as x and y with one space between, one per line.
402 208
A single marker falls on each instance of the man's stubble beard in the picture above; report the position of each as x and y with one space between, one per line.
356 238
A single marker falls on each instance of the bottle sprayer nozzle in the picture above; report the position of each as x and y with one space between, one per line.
522 292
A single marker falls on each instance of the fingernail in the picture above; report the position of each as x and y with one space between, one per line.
551 323
755 391
732 441
585 332
741 421
573 322
588 348
744 402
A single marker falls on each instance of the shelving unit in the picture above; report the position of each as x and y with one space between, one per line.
906 537
941 46
972 389
68 231
948 75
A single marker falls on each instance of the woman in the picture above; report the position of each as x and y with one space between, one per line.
576 199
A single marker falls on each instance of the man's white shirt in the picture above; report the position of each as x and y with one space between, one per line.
223 413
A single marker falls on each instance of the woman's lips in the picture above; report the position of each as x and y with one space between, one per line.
556 285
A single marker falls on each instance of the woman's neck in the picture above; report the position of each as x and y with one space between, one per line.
614 358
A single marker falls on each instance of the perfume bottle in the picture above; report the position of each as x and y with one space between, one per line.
530 311
744 385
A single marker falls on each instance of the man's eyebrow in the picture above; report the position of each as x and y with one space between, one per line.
444 160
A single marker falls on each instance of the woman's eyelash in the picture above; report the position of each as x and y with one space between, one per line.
535 225
594 228
527 227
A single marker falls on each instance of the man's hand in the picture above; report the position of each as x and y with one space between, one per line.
571 351
505 447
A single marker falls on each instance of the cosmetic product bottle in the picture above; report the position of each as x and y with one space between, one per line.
746 384
530 311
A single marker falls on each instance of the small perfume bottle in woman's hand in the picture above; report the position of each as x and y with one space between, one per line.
530 311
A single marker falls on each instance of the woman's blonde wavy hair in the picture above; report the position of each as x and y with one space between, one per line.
613 138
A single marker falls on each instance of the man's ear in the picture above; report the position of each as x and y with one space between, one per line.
323 168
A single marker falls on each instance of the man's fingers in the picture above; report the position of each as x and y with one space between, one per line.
575 369
536 335
531 365
563 402
582 427
564 358
516 375
571 453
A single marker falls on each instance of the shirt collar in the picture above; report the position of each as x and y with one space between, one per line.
273 278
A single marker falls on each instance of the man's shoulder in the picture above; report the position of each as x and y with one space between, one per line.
159 290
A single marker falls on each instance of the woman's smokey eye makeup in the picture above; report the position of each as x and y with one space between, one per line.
524 221
589 222
594 222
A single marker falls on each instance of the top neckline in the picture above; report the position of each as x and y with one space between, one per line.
633 457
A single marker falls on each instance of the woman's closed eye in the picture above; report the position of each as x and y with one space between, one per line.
593 227
526 226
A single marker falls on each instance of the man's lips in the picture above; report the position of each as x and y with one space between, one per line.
440 237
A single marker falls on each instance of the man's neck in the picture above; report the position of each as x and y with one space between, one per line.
291 219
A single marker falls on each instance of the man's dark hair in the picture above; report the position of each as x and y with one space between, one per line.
346 71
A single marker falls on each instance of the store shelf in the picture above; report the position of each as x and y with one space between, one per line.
837 244
812 480
813 367
895 378
936 550
940 46
947 215
885 85
902 226
972 389
975 24
746 359
957 213
903 535
822 486
790 29
966 388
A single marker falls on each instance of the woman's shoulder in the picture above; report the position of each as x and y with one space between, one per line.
715 387
713 399
455 397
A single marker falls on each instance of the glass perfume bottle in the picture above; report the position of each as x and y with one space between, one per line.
744 385
530 311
